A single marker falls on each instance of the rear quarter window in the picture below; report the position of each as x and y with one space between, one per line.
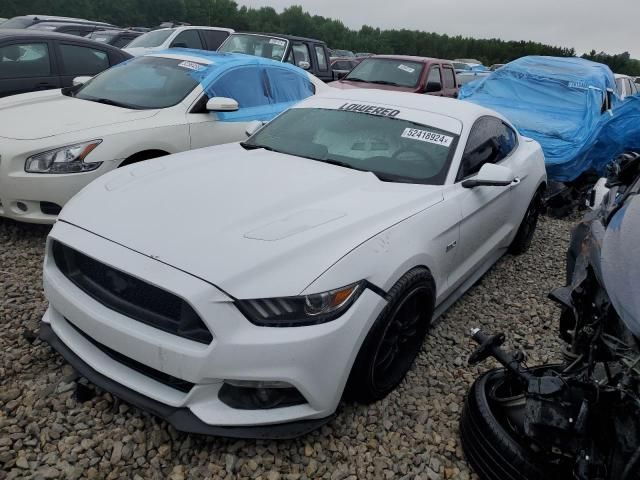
81 60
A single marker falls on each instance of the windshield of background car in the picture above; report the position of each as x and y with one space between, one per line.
257 45
393 149
17 22
387 72
151 39
143 83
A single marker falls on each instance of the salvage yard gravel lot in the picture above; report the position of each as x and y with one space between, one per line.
46 431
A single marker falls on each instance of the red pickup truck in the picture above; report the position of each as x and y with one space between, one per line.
403 73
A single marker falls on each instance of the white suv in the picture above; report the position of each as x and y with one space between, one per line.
200 38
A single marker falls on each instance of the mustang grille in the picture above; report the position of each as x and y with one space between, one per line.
130 296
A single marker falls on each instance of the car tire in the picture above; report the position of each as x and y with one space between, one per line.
527 228
394 340
493 451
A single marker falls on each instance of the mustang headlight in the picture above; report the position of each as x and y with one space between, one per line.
302 310
70 159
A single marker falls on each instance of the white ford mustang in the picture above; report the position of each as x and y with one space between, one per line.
240 290
54 143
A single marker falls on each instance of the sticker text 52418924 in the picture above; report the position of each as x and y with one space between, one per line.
427 136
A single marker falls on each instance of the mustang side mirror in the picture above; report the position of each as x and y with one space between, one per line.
222 104
433 87
81 80
491 175
253 127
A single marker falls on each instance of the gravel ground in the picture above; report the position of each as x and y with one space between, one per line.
46 432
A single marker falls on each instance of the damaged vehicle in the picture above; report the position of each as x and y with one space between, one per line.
241 290
579 419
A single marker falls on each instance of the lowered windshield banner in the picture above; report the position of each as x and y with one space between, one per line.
370 109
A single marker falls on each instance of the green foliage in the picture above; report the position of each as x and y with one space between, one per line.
294 20
621 63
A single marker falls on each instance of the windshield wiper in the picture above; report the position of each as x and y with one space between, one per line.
355 79
108 101
254 146
385 82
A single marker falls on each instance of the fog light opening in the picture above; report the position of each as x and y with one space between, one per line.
256 395
22 206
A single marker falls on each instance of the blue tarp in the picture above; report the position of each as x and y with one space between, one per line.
558 102
262 87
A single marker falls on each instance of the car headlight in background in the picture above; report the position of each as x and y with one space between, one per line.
70 159
301 310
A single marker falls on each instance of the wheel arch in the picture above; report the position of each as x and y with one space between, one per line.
143 155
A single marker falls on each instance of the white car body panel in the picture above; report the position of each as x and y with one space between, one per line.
239 224
33 123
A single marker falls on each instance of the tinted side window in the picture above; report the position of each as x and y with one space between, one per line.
322 58
121 42
434 75
490 141
24 60
449 78
246 85
188 39
214 38
342 65
79 60
301 53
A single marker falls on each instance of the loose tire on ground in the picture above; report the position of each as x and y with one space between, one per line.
491 450
395 339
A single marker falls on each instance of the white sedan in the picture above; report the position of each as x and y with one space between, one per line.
240 290
54 143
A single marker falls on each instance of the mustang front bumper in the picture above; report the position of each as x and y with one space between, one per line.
315 360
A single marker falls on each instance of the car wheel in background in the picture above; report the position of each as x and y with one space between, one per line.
395 339
522 241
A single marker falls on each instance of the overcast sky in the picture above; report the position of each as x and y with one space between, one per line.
612 26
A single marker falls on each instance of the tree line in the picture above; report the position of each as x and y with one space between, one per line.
295 21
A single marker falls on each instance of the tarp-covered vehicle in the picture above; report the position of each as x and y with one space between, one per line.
568 105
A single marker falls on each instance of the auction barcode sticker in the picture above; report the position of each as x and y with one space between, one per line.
275 41
191 65
406 69
427 136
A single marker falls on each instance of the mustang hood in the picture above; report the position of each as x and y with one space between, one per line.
254 223
33 116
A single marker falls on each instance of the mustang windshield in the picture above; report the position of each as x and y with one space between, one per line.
142 83
393 149
257 45
387 72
